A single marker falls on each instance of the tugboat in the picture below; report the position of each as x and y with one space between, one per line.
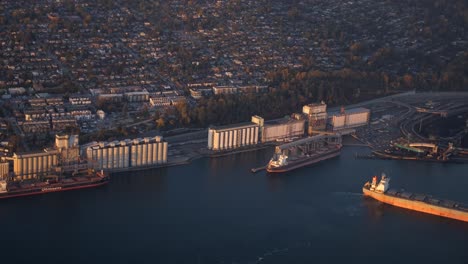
417 202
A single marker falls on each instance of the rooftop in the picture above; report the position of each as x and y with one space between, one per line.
233 126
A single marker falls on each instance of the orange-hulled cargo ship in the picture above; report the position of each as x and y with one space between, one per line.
416 202
10 190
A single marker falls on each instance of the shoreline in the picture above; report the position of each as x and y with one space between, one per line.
205 153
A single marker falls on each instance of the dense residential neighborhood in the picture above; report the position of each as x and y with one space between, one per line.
123 67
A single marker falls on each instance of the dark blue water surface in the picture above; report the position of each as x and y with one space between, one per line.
216 211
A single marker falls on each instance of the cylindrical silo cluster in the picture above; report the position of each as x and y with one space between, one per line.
145 152
128 153
231 137
30 166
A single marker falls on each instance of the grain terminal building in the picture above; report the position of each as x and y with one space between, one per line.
35 165
127 153
279 129
232 136
316 115
350 118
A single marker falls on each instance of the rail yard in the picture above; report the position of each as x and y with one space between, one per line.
399 127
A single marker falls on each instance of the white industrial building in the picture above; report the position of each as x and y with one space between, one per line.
37 164
127 153
32 165
279 129
349 118
316 116
233 136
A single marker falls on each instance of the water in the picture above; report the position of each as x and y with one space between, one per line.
216 211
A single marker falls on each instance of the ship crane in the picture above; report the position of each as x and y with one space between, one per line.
447 152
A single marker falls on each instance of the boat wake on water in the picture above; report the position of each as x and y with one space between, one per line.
278 251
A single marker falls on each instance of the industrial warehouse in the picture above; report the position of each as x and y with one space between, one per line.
279 129
348 118
316 115
313 119
127 153
65 156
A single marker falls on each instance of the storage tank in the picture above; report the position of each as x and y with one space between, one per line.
155 153
133 156
144 153
236 139
30 165
244 137
221 140
126 157
3 170
256 129
210 138
164 152
160 152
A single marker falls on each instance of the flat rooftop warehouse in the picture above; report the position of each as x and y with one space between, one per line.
281 121
351 111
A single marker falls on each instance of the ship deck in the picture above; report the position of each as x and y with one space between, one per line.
21 187
428 199
317 153
306 160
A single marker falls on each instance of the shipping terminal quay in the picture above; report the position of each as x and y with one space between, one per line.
300 139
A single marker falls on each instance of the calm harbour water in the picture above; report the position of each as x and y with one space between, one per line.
216 211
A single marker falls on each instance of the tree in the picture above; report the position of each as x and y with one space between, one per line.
160 123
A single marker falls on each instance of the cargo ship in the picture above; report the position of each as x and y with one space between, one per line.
416 202
283 163
52 184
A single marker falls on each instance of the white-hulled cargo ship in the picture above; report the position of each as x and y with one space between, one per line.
282 163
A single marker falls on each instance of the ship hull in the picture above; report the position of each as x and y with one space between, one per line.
419 206
303 162
55 188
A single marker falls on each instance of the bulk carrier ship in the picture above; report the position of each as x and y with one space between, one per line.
52 184
416 202
56 169
308 151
